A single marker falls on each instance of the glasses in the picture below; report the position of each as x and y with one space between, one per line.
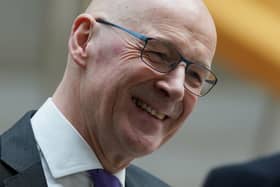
163 57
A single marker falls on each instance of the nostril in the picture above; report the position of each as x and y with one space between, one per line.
162 88
170 88
164 92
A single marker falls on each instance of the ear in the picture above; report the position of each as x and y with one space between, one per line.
79 38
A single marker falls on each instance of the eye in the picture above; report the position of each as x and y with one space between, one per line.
156 57
196 76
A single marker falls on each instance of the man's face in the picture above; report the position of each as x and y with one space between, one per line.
129 108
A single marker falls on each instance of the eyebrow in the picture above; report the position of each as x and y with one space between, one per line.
168 42
205 64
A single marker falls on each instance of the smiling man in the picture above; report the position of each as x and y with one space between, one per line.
134 73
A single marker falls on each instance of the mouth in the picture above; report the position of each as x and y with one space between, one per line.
147 108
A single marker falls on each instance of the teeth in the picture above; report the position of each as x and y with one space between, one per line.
148 109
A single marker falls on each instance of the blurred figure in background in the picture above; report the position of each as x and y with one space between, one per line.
134 73
263 172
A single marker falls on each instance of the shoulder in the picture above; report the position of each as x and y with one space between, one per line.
136 176
258 172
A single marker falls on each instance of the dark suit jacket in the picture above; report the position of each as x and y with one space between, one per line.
263 172
20 164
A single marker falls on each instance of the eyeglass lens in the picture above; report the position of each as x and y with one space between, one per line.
164 57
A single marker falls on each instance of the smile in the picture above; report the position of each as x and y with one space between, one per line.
147 108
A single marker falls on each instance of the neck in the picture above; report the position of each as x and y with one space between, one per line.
67 99
111 161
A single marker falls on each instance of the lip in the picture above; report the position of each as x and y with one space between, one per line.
143 121
149 109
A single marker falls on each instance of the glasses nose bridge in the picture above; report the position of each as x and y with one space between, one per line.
178 72
175 65
187 62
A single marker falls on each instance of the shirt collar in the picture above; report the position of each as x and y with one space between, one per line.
64 149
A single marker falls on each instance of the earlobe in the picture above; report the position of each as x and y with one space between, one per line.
80 37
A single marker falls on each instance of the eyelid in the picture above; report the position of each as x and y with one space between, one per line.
168 42
200 63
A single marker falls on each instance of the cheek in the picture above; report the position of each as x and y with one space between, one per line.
105 55
188 106
104 51
117 49
190 102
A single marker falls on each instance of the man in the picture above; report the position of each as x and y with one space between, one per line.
135 71
262 172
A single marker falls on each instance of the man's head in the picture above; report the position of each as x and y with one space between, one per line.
123 107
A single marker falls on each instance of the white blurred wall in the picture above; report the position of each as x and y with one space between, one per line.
237 121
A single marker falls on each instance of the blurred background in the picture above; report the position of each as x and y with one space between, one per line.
239 120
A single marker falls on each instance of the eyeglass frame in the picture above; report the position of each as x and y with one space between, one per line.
145 39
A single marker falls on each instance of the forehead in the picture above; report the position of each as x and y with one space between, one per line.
187 27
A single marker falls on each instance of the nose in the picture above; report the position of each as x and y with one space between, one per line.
171 85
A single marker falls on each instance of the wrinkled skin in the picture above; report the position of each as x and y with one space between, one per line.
104 73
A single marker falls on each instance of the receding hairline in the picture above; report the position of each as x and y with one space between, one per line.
133 12
101 8
120 9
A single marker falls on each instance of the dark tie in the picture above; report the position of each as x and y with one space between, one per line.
102 178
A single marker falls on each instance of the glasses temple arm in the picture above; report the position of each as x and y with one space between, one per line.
135 34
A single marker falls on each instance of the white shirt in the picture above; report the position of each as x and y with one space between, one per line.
65 155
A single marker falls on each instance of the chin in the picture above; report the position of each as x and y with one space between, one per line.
134 139
140 145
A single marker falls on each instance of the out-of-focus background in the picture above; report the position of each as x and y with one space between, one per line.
239 120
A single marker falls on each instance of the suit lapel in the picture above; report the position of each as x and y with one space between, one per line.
137 177
132 179
19 151
129 182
